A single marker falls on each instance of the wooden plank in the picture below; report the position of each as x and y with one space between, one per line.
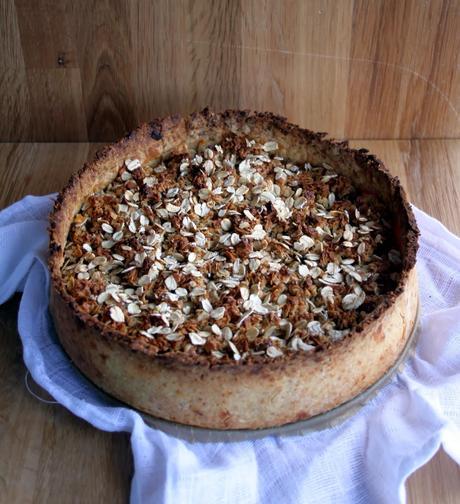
436 482
82 70
54 456
49 455
395 155
429 170
56 104
217 72
37 168
184 56
434 176
403 77
294 60
163 60
53 76
14 93
102 34
49 22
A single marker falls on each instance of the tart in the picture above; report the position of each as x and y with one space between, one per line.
232 270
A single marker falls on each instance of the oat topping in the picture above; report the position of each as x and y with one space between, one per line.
231 251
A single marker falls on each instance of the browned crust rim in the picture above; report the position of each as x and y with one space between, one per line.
156 130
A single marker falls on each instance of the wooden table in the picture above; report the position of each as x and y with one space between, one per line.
48 455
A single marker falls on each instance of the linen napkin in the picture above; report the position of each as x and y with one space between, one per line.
367 458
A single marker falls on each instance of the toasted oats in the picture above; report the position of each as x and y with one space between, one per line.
355 275
304 243
282 299
197 339
331 200
235 238
282 210
305 347
132 164
254 303
206 305
226 224
270 146
297 344
244 242
201 209
303 270
348 233
353 300
314 328
244 292
170 208
204 194
274 352
133 309
248 214
252 333
315 272
236 353
103 297
174 336
218 313
336 335
99 261
150 181
216 330
117 236
147 334
227 333
327 293
258 233
116 314
170 283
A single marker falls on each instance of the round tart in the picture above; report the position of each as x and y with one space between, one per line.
233 270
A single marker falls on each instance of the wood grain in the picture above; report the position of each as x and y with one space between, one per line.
55 457
83 70
429 170
14 92
49 455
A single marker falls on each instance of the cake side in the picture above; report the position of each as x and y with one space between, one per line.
194 389
241 397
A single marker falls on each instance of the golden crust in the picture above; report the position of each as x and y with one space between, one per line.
194 389
235 396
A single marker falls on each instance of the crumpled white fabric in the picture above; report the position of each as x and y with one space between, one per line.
365 459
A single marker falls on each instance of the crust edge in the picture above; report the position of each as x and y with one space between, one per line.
152 138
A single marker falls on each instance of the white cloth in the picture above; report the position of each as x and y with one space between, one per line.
365 459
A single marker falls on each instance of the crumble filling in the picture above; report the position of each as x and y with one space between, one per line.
231 251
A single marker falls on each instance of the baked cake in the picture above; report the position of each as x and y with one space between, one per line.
233 270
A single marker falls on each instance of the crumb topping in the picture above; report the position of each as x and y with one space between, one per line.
231 251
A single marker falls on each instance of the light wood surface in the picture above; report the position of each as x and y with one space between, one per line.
48 455
78 70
